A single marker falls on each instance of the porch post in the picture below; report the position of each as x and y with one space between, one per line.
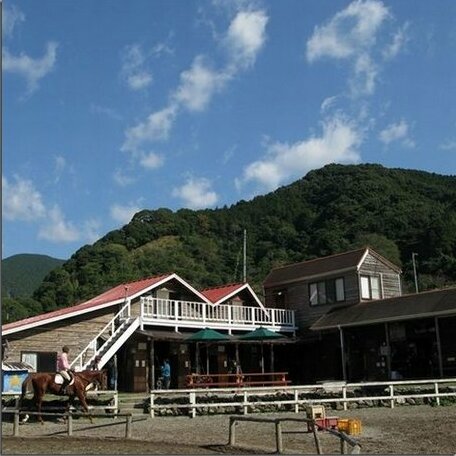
237 354
342 351
439 346
197 356
152 363
388 348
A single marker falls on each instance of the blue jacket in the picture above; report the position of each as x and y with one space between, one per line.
166 370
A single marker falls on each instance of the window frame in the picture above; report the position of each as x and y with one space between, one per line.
318 292
370 279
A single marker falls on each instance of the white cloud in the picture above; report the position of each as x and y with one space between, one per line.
338 143
33 70
151 160
246 36
111 113
134 69
198 85
59 167
400 39
11 17
156 127
91 230
351 34
397 132
122 179
123 214
348 32
448 145
21 201
196 193
57 229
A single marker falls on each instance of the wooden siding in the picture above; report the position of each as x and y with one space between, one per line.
76 332
389 279
296 294
297 298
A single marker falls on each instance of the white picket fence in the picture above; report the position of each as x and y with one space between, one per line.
332 392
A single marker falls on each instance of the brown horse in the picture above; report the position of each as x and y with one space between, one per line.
44 382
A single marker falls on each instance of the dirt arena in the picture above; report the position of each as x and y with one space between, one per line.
402 430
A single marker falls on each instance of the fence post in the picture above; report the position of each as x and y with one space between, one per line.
193 402
436 389
152 405
16 424
316 438
391 388
128 427
232 438
344 396
279 442
343 446
245 403
70 424
296 401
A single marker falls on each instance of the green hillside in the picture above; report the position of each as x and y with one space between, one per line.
333 209
22 274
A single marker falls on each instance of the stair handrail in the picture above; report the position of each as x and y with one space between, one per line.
111 324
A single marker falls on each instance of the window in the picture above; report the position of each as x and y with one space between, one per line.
41 361
370 287
327 292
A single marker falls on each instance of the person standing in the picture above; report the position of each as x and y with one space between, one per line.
166 374
63 368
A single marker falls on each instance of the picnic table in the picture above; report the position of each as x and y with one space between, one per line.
238 380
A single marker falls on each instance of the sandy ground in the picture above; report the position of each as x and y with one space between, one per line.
402 430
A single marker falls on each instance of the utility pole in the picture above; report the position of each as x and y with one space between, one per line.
414 254
245 256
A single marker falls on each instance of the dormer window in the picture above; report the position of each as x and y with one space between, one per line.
370 287
327 292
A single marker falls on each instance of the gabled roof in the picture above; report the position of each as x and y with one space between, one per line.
418 305
220 294
116 295
337 263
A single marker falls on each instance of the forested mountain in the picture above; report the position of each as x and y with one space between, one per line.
22 274
330 210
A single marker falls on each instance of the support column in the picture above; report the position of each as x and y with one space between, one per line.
439 346
388 354
342 351
152 364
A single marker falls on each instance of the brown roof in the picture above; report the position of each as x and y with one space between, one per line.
320 266
418 305
317 266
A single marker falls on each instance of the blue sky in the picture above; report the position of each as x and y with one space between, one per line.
110 107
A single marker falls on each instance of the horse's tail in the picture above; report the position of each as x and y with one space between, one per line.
25 385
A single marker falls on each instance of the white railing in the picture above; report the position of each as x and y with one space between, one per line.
300 396
170 312
107 333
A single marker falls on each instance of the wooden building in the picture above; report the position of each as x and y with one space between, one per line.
139 324
354 323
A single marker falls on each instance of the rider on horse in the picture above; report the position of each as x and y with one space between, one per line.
64 369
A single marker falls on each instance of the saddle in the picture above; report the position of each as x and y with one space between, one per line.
59 379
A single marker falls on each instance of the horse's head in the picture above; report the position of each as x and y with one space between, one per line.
94 377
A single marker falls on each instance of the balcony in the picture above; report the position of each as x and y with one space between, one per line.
188 314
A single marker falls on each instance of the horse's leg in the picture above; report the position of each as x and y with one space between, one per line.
82 399
39 402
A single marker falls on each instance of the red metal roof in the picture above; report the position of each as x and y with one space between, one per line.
216 294
121 291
